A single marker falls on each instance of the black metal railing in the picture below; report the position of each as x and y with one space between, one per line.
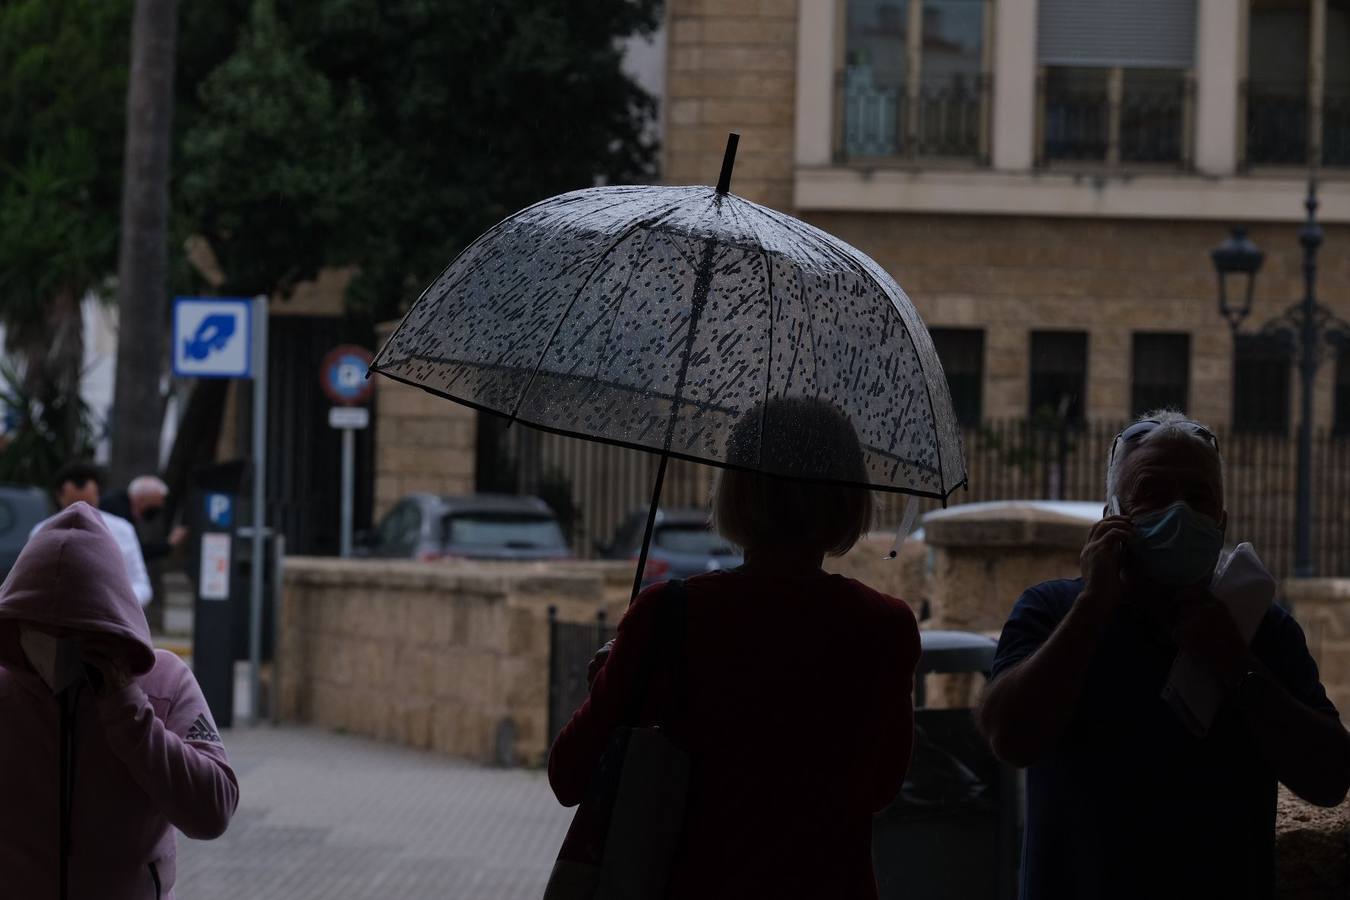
1152 124
1277 124
949 120
1336 125
571 645
600 486
1151 129
1077 123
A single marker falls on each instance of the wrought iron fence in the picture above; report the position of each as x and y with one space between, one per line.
570 648
595 487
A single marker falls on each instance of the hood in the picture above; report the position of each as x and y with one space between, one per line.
71 574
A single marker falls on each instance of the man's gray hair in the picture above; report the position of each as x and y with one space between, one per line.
147 486
1170 422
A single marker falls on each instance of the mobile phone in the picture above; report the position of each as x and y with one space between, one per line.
1113 505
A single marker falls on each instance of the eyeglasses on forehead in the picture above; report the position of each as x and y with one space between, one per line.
1139 429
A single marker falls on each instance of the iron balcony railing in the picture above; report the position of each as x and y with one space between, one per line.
1114 122
949 120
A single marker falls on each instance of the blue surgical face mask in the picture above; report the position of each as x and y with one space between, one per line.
1177 546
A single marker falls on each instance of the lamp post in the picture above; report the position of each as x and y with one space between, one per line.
1306 326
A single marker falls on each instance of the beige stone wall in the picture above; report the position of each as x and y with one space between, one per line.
732 67
1322 607
422 442
982 561
1014 275
434 656
905 577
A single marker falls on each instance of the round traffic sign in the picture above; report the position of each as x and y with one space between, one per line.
343 375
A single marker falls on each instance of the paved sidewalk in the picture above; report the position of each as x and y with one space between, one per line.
345 818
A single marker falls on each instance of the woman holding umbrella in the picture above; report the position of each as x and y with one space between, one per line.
695 324
795 693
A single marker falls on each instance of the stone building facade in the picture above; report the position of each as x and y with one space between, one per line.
1000 239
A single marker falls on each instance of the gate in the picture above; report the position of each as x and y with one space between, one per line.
570 648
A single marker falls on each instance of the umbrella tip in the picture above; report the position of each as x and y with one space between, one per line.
728 162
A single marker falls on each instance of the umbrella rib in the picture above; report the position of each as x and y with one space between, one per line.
853 264
768 363
557 326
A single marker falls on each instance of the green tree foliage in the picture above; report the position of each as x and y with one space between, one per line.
387 134
63 76
266 171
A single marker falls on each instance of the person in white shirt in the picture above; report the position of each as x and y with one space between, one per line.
80 481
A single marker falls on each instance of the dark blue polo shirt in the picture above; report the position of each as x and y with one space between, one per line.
1130 804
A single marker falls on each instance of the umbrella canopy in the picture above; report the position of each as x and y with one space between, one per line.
658 317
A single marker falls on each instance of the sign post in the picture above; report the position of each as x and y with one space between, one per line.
226 337
255 569
344 380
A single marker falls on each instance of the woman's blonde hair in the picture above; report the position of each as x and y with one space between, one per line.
789 456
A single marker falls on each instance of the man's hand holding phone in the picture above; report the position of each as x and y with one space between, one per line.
1102 558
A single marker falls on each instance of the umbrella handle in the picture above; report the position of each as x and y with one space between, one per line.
651 525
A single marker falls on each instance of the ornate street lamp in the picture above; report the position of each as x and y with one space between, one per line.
1306 326
1237 259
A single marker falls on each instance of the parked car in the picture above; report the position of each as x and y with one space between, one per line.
476 526
20 509
683 544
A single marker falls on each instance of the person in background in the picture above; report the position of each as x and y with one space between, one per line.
80 482
797 701
141 504
1129 794
107 745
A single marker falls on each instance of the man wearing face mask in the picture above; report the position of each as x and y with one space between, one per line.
1157 700
106 744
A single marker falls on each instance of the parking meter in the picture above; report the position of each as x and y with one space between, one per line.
214 510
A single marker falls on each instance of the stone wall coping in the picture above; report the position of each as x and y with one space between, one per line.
1006 525
1316 590
466 576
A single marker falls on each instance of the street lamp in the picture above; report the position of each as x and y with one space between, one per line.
1306 326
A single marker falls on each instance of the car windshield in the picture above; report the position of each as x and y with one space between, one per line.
507 530
692 538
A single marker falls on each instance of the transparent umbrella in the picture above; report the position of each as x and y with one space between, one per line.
658 317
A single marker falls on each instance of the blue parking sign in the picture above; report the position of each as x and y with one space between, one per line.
212 337
220 510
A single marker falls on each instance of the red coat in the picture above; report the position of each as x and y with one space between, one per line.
799 723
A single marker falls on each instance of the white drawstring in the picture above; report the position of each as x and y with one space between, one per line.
906 525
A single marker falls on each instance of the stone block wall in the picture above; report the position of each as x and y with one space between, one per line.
732 66
1011 275
905 577
982 561
434 656
1322 607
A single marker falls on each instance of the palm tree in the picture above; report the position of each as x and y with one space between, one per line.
142 284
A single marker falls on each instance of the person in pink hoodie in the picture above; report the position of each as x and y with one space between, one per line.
106 744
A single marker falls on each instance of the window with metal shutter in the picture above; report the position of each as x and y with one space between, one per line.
1129 33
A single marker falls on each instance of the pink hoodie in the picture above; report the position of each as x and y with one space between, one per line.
147 758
